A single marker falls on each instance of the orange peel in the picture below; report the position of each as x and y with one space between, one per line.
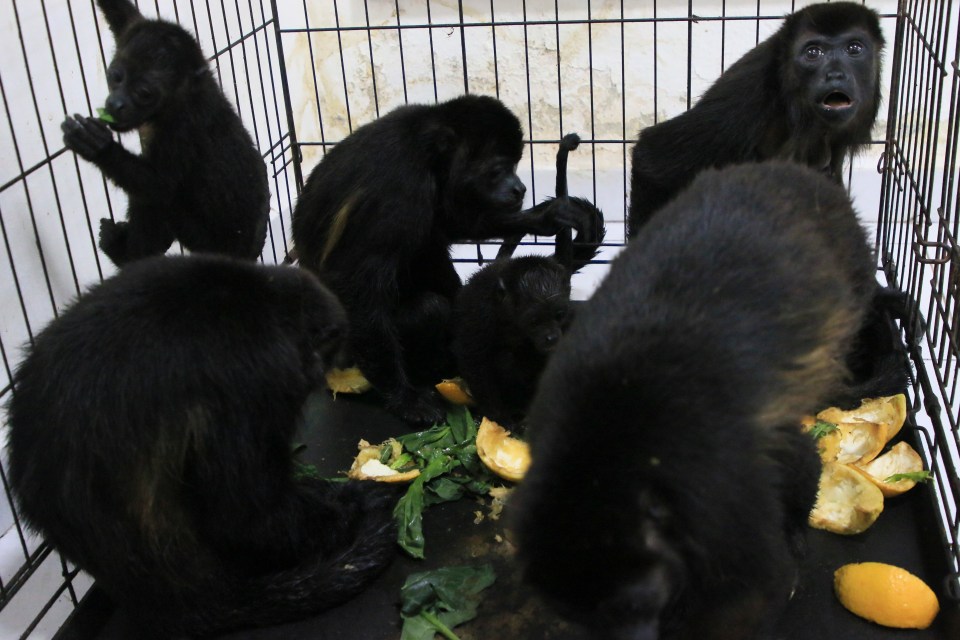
507 457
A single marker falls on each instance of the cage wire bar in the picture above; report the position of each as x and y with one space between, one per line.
917 237
50 200
305 73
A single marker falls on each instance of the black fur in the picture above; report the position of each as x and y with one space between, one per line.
376 220
508 318
671 483
150 442
770 104
199 179
511 313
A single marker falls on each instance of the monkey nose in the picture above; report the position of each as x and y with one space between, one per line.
519 191
116 106
835 74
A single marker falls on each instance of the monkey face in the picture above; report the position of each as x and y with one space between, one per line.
135 95
492 184
837 74
154 61
544 324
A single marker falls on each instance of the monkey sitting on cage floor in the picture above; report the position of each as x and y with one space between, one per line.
199 179
510 314
376 220
670 485
150 443
809 93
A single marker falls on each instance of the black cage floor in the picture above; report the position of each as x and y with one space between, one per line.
907 534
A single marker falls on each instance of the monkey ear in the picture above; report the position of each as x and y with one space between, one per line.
120 14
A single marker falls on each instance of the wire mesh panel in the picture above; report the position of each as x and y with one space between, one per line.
54 56
918 234
304 74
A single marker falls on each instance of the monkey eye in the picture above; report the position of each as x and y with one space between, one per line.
143 94
854 48
115 75
812 52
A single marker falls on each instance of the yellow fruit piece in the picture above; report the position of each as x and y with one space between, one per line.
886 594
901 458
454 391
847 503
888 411
367 465
859 442
347 381
505 456
827 445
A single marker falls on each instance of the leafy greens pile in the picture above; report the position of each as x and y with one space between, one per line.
449 469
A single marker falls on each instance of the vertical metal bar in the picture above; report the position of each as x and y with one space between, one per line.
689 51
463 49
403 65
343 66
433 55
373 67
496 62
297 154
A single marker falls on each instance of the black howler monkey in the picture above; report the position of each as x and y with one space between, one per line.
199 179
808 93
510 314
150 443
376 220
670 484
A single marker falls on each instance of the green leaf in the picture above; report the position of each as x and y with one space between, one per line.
822 428
443 489
302 471
403 462
424 443
417 628
916 476
462 426
386 452
452 590
104 116
409 510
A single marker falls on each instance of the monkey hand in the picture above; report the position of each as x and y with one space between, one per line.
418 407
113 236
87 137
553 215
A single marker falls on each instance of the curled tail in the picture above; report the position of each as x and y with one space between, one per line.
574 253
571 252
320 582
564 241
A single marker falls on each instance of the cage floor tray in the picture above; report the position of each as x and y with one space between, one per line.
906 534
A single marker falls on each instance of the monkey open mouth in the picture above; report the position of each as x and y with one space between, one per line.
837 100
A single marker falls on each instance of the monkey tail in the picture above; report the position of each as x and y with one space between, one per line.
323 581
564 240
586 245
568 143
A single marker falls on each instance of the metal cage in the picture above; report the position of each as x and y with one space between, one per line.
304 73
